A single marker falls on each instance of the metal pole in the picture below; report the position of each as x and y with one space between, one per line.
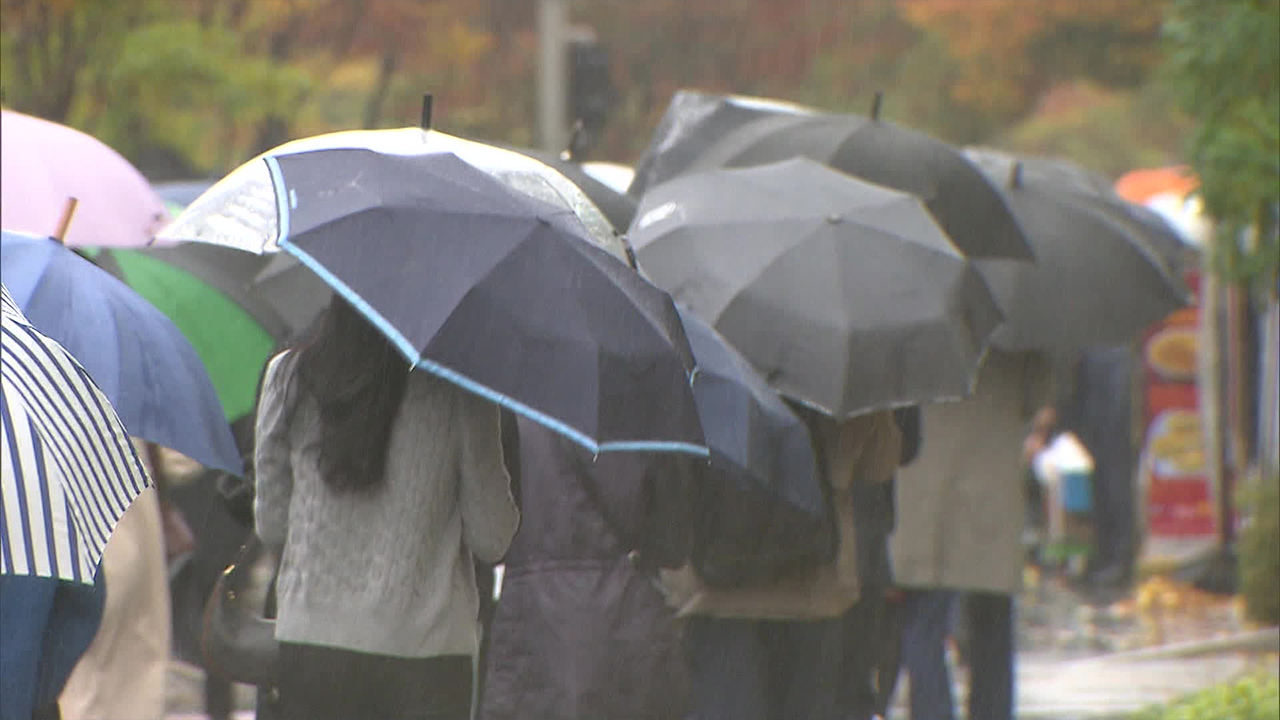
553 20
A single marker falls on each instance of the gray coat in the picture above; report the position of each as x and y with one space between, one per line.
961 504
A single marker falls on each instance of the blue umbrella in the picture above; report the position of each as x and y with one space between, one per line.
752 434
140 360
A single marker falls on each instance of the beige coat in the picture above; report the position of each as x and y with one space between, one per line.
122 674
962 504
863 449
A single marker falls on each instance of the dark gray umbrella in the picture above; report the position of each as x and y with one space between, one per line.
845 295
1097 278
693 121
619 208
495 291
1095 192
965 204
754 438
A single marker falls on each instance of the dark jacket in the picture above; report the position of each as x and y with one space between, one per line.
581 630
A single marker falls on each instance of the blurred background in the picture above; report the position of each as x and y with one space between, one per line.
192 88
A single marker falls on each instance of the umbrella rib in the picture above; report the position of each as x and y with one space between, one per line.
414 356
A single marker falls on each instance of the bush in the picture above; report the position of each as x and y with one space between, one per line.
1259 562
1253 698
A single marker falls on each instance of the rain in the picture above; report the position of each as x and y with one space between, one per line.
658 359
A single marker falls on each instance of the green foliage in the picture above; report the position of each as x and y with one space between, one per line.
1256 697
1110 132
1259 560
1224 62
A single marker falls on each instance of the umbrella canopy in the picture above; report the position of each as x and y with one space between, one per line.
618 207
44 164
69 471
845 295
241 208
139 359
967 206
693 122
751 432
209 294
495 291
177 194
1082 187
1096 280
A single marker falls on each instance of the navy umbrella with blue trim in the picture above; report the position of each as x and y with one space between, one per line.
494 290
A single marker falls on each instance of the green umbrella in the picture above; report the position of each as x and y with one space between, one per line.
233 343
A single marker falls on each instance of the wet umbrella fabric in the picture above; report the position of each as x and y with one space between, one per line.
618 207
959 196
694 121
1097 279
43 164
751 432
69 468
495 291
140 360
208 293
844 295
1096 194
240 210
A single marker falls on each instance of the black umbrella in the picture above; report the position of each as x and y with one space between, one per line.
1097 279
964 203
692 122
845 295
957 193
495 291
1095 192
620 209
753 436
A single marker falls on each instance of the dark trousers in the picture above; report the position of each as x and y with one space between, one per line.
331 684
763 669
45 626
991 655
927 620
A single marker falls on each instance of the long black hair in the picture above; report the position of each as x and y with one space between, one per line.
358 379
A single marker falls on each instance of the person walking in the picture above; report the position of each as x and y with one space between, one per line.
961 506
123 672
581 630
377 487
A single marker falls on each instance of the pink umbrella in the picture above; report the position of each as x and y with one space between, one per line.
43 165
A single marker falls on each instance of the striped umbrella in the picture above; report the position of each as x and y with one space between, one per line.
69 468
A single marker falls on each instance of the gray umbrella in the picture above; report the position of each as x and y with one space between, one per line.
846 296
1099 276
1097 193
708 135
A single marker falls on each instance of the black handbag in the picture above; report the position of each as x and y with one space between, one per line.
238 643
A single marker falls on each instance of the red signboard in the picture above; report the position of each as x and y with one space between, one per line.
1179 501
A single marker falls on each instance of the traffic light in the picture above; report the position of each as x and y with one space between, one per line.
591 92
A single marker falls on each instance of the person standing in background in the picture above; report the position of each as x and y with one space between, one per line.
961 508
581 630
123 673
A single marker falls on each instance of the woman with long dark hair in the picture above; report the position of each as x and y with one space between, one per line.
378 487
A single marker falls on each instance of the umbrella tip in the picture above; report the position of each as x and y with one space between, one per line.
569 154
875 105
1015 175
425 122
